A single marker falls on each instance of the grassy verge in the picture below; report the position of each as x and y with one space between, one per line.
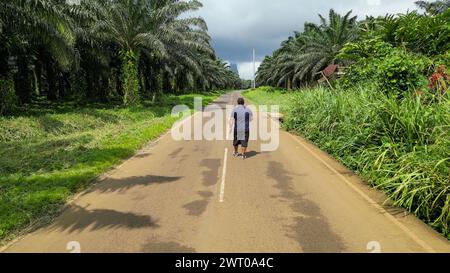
265 96
47 155
399 146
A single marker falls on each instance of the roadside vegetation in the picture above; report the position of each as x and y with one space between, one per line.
104 50
374 94
401 147
84 84
48 155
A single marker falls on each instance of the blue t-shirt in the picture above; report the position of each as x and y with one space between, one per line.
242 116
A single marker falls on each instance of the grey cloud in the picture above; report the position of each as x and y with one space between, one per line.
237 51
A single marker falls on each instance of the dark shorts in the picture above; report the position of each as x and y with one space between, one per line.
242 142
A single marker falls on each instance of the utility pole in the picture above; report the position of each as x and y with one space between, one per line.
254 69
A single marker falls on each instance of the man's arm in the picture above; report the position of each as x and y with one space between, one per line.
231 122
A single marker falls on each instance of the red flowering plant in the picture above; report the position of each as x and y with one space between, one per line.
440 81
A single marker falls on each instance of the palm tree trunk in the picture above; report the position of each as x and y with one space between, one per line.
8 98
22 79
89 84
52 92
159 84
61 86
130 77
4 56
104 86
38 74
118 79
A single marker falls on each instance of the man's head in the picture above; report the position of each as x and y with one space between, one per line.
241 101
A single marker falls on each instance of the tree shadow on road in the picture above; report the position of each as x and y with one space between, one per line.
124 184
77 218
166 247
311 228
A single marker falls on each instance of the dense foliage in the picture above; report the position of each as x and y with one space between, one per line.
106 50
379 63
399 146
301 57
397 53
435 7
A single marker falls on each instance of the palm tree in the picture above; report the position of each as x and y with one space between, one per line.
25 25
265 71
301 57
153 28
435 7
322 43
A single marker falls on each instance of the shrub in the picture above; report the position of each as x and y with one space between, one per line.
393 70
427 35
399 71
443 59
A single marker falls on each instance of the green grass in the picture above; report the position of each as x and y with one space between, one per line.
266 96
48 154
399 146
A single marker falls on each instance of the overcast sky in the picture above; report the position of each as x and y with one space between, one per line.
236 26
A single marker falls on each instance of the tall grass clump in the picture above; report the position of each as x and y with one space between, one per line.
401 146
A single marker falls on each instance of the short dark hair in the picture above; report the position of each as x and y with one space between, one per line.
241 101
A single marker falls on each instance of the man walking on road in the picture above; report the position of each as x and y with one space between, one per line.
240 120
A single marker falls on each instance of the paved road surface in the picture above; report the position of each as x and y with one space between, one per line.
296 199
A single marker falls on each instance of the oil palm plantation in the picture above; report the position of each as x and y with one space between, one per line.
217 75
152 28
301 57
32 30
106 49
